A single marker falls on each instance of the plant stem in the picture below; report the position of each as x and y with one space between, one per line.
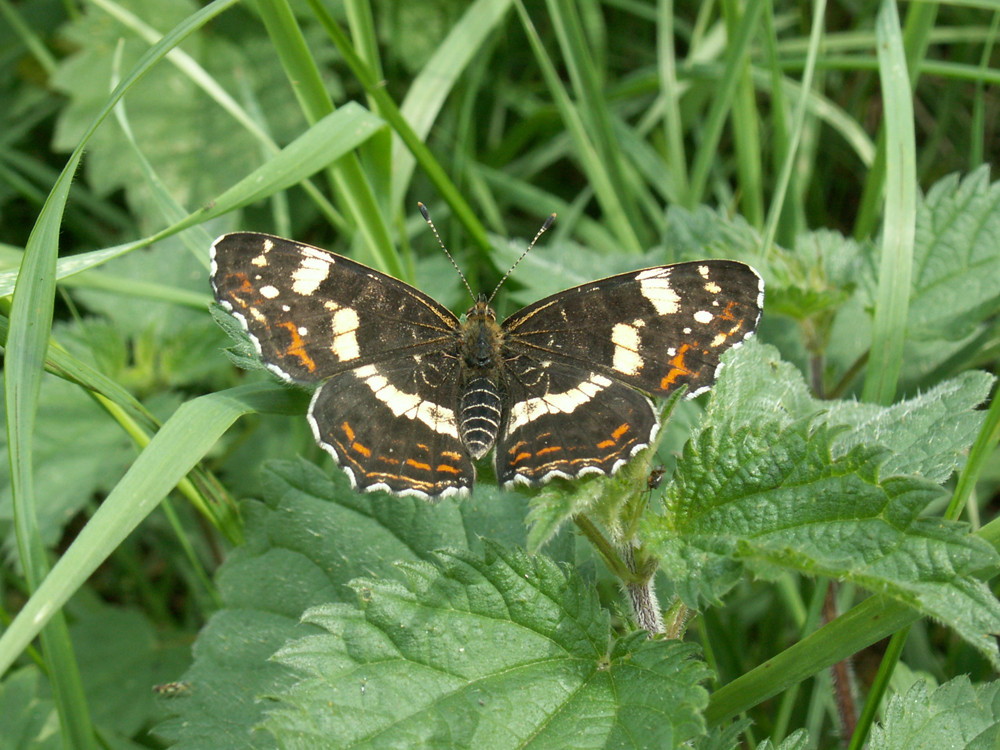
642 595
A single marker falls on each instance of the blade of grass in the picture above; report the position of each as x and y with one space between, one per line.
919 22
672 123
896 265
30 324
745 126
737 54
332 136
592 106
798 123
375 88
587 155
376 153
873 619
435 81
346 175
183 441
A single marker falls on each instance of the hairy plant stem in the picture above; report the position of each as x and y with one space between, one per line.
641 594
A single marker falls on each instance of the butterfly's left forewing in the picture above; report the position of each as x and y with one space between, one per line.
655 329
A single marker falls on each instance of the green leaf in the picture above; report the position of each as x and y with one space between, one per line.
193 144
29 713
956 257
308 538
79 452
927 435
955 715
773 496
506 651
121 657
798 740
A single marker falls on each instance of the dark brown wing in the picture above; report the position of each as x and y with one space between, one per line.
655 329
392 426
565 421
312 313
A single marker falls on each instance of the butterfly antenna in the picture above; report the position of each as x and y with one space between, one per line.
427 217
539 233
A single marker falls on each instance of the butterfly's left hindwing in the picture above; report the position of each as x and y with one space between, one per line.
566 421
312 314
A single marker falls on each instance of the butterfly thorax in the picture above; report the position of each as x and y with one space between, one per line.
480 399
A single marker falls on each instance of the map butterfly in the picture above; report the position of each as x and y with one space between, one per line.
410 396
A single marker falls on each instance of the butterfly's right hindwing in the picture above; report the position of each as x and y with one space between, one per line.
302 307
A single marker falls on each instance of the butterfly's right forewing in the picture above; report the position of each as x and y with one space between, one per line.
312 314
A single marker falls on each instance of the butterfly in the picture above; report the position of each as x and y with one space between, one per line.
409 396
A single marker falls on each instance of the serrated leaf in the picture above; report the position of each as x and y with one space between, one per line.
773 496
708 233
506 651
927 435
798 740
956 257
191 141
725 737
956 715
308 538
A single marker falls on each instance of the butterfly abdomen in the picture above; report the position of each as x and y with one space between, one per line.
479 415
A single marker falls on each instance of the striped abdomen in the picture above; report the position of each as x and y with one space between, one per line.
479 418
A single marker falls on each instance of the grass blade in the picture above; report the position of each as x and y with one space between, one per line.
184 439
896 267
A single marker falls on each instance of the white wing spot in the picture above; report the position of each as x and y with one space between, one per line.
303 331
703 270
719 340
260 260
712 288
312 272
270 292
654 285
704 317
345 343
626 357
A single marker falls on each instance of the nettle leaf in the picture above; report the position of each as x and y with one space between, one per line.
956 715
954 298
762 490
927 435
502 651
190 141
305 540
774 497
956 257
705 232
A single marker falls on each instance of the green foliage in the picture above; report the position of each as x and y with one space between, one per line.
312 616
956 714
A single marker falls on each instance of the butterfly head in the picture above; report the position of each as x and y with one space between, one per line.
481 336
